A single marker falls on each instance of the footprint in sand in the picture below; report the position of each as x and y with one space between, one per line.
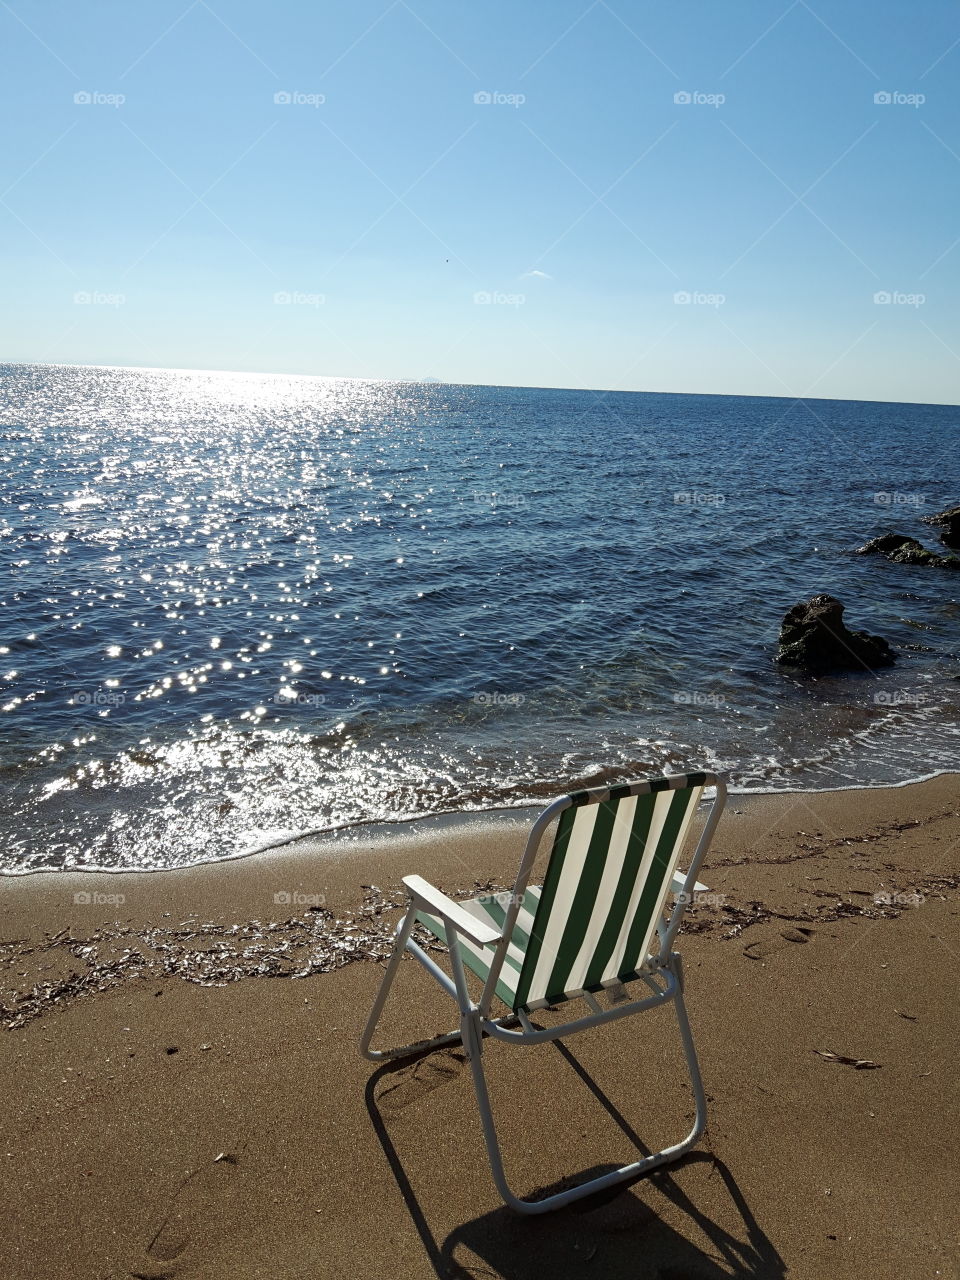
191 1212
780 941
407 1084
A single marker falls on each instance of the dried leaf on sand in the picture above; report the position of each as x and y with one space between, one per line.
860 1064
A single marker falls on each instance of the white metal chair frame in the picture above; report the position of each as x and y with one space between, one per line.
663 975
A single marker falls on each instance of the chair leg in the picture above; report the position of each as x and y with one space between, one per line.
693 1066
393 966
473 1045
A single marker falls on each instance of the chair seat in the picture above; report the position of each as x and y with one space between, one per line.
491 909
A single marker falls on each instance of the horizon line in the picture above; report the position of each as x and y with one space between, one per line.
443 382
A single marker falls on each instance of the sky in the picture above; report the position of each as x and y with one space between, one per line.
750 198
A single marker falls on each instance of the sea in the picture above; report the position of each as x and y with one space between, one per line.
238 608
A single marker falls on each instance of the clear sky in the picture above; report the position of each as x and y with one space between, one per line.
177 213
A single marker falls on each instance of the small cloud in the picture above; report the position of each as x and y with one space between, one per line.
540 275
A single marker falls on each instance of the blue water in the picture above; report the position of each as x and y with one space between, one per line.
238 607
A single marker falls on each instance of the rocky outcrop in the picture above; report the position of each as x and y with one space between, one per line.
948 522
900 549
813 636
887 544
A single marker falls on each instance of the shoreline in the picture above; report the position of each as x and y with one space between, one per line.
349 855
524 810
319 903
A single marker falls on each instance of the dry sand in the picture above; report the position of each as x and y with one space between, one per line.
156 1127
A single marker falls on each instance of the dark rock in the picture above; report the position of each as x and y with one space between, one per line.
948 522
888 543
900 549
813 636
910 555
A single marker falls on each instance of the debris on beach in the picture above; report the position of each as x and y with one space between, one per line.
860 1064
205 952
62 968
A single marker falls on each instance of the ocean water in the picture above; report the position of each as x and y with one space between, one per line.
234 608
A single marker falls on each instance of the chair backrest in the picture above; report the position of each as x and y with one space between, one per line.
606 884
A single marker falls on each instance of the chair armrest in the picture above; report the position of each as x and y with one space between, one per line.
679 877
423 893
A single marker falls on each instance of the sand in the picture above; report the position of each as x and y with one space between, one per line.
155 1126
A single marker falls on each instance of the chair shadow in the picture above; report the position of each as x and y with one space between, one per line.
635 1244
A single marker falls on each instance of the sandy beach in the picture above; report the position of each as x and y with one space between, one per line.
185 1098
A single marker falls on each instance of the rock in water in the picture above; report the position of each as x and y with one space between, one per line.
915 555
889 543
948 522
813 636
900 549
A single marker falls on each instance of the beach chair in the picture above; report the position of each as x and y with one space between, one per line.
601 920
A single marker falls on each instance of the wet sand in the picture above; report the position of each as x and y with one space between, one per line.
184 1095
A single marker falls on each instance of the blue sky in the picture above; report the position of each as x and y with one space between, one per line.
582 226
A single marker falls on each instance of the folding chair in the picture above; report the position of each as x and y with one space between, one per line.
599 921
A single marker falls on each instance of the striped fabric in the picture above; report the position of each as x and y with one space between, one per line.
492 909
607 881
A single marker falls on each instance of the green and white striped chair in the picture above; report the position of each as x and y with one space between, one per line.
601 919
